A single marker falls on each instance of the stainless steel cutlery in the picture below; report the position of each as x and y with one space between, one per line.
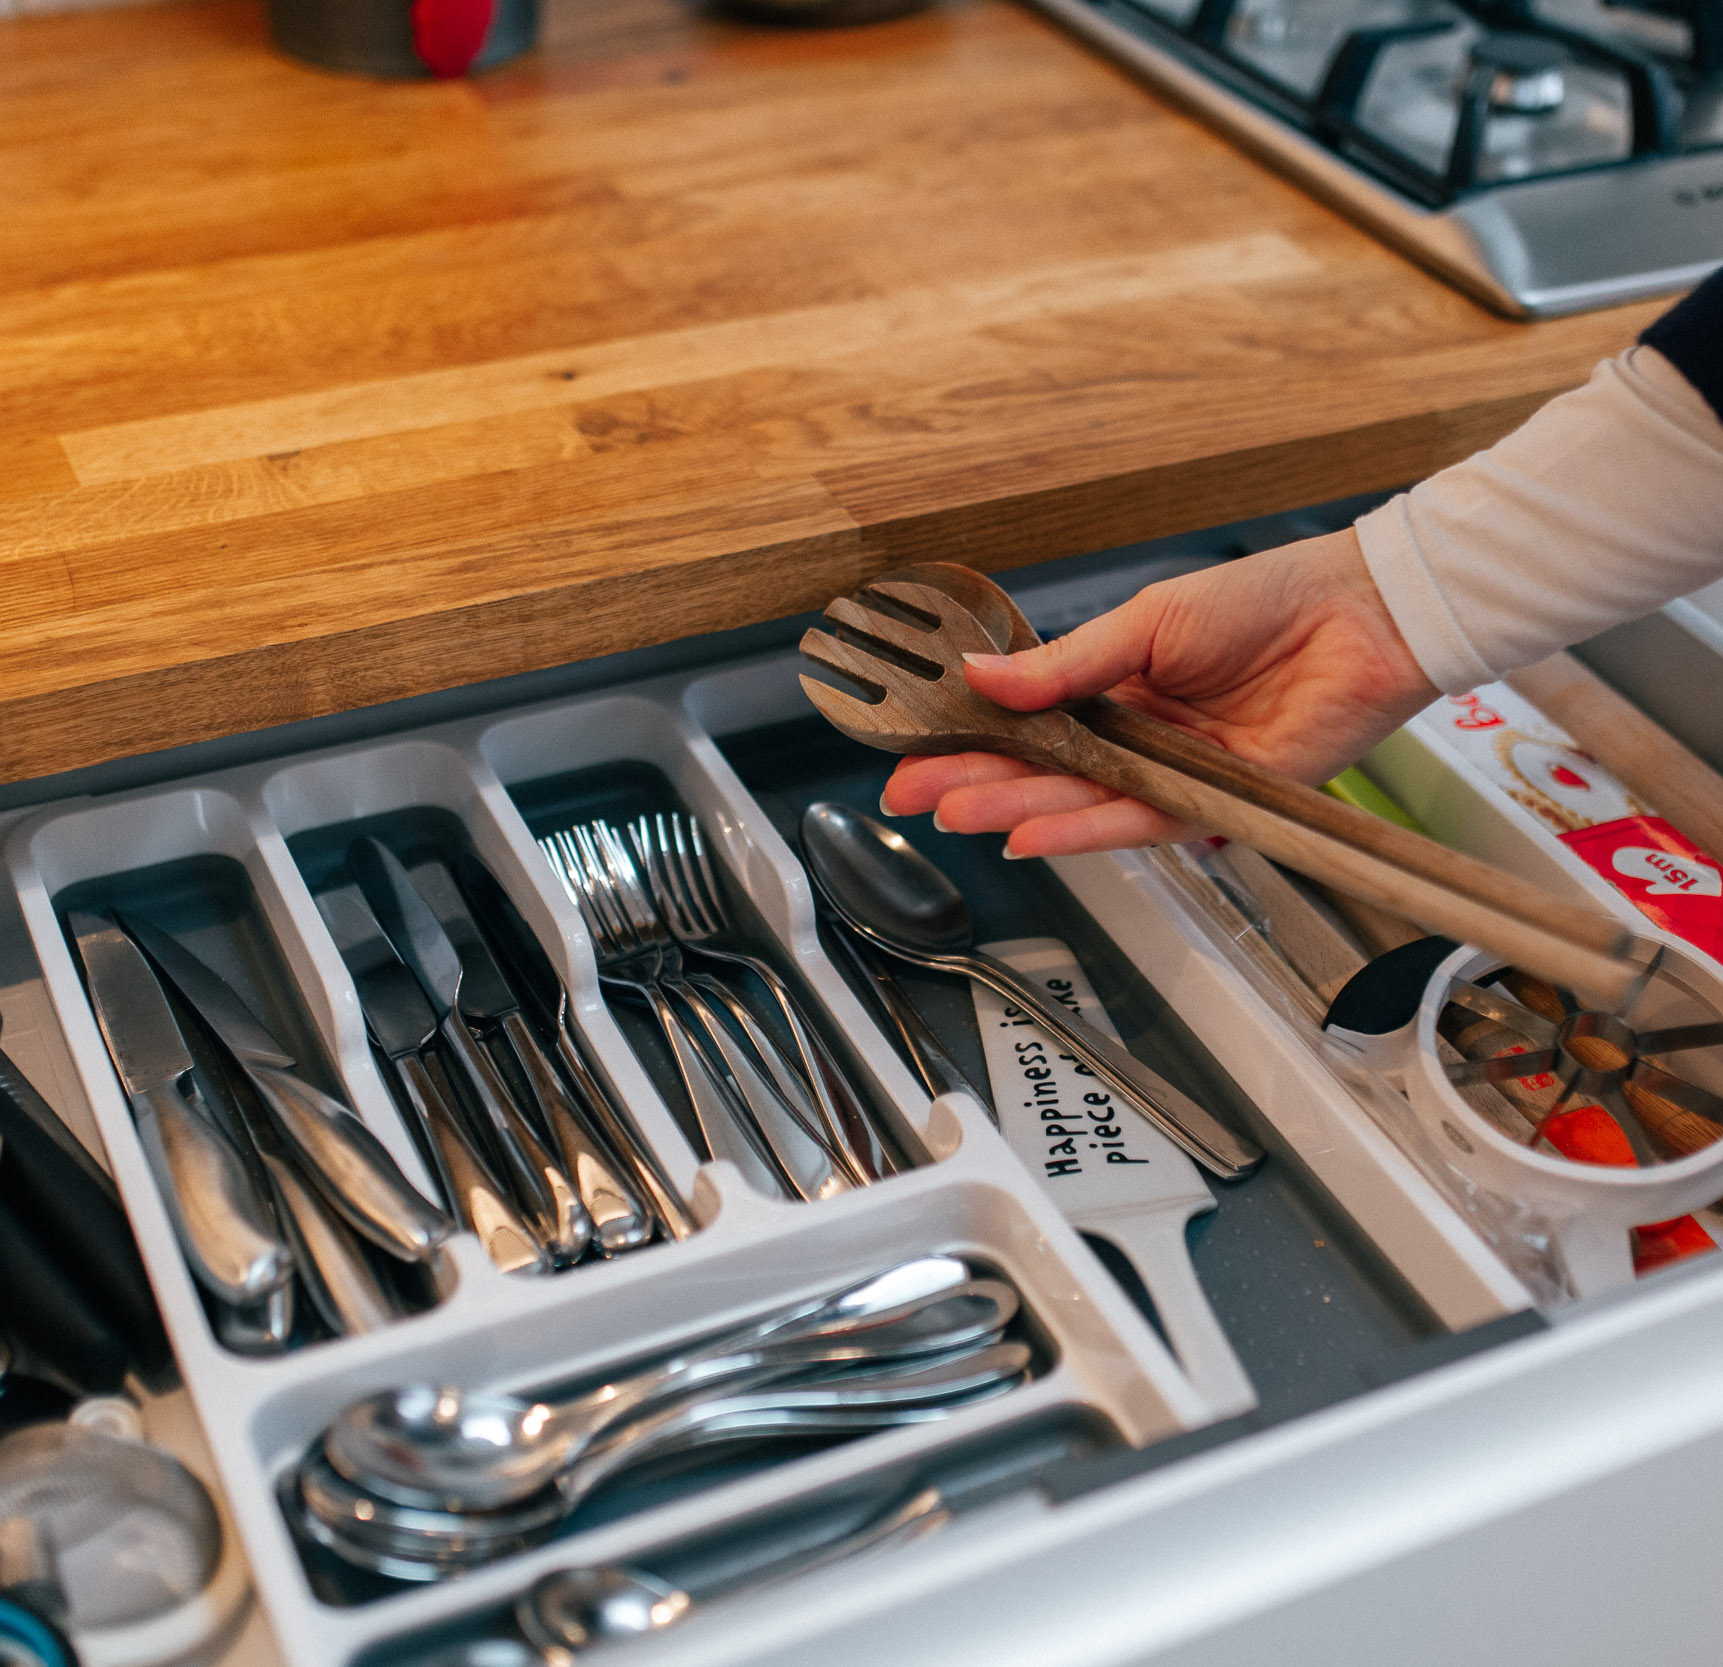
231 1243
403 1028
428 1480
789 1120
550 1202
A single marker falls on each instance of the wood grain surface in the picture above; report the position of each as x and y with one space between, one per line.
316 391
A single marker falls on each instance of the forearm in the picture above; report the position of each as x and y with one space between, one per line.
1605 505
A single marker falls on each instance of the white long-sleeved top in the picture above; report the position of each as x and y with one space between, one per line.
1604 505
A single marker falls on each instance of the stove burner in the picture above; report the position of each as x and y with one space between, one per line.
1547 155
1525 73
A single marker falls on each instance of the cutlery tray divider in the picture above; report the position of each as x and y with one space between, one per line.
1104 1364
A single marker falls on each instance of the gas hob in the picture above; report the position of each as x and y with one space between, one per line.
1547 156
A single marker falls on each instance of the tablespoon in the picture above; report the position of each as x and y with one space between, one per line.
892 896
467 1450
575 1609
374 1531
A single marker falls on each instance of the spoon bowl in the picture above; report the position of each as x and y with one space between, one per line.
890 894
460 1449
574 1609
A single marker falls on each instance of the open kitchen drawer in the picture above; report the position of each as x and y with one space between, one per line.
1435 1468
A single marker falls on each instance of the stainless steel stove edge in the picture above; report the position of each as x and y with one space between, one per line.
1539 249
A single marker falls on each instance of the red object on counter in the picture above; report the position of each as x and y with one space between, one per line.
449 34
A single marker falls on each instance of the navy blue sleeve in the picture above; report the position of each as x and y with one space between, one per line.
1690 337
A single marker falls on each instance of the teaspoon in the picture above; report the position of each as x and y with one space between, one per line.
417 1543
466 1450
575 1609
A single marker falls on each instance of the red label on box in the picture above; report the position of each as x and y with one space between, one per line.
1663 873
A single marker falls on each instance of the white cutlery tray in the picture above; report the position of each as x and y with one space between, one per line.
967 1194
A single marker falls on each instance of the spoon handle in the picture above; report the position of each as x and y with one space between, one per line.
1175 1114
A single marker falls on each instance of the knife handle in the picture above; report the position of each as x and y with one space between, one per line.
477 1201
338 1279
619 1220
625 1136
352 1167
536 1178
223 1226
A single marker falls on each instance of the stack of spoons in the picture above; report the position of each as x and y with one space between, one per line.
424 1481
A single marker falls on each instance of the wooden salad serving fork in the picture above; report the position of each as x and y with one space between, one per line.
902 640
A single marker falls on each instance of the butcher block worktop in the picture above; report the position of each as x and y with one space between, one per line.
316 392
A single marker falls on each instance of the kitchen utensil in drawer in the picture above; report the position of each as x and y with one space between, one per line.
352 1168
1666 1051
895 898
419 1543
224 1227
536 980
461 1449
548 1198
139 1551
741 1113
575 1609
403 1026
931 708
619 1220
60 1196
689 899
1113 1177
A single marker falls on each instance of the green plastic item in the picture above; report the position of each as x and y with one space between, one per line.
1353 787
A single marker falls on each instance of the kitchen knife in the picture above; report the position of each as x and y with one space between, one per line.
338 1279
535 1177
536 978
224 1228
64 1198
402 1025
1111 1175
619 1222
350 1165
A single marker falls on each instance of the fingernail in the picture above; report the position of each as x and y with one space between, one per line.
986 662
940 824
1013 856
884 808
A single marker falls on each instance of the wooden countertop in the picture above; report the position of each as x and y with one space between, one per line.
316 392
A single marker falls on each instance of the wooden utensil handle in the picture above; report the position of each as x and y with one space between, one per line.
1322 815
1661 773
1587 953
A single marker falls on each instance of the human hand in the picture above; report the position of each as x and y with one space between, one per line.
1288 658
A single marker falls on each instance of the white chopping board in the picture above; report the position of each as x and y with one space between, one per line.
1110 1172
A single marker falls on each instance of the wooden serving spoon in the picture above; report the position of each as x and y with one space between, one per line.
911 661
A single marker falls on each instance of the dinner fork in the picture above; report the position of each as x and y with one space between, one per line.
626 956
806 1158
685 890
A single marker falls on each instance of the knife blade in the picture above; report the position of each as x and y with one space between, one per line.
619 1221
549 1198
352 1168
224 1228
402 1025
